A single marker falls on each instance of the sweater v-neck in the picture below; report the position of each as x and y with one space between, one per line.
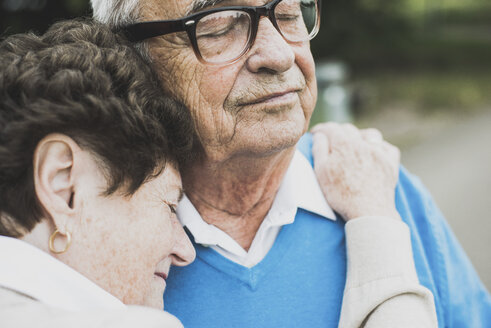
249 276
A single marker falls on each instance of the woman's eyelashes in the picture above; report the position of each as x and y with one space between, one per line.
172 207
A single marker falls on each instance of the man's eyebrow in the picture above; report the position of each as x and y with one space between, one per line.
198 5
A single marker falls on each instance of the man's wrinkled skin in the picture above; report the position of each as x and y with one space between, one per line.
221 97
248 116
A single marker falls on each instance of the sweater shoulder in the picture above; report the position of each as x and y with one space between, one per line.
304 145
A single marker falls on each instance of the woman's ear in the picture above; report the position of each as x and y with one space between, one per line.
54 177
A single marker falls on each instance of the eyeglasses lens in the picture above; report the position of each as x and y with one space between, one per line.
224 36
296 19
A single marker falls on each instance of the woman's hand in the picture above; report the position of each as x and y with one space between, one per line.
357 170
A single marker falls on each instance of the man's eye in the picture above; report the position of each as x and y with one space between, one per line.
287 18
220 25
217 34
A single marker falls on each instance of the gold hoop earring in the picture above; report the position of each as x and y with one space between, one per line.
68 236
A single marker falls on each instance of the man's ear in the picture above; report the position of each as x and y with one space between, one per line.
53 177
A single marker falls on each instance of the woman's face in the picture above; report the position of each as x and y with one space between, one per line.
126 244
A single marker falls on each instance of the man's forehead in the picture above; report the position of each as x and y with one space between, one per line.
173 9
164 9
197 5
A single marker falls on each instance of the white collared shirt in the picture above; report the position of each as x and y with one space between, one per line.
299 189
28 270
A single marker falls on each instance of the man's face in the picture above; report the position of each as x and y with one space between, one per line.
256 106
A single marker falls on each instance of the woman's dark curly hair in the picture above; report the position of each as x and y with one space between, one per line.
82 80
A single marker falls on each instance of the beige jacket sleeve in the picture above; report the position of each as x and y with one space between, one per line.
382 288
20 311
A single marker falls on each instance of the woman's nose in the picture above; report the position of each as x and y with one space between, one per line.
183 252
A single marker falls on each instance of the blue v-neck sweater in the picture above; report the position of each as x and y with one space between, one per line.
300 282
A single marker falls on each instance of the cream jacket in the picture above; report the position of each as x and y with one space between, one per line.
382 288
20 311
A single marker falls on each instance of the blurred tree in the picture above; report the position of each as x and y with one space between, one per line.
18 16
378 34
364 32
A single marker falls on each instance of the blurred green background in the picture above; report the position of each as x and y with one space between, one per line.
419 70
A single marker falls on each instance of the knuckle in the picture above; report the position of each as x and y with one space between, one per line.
350 127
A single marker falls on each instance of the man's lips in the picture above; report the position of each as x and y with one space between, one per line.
270 97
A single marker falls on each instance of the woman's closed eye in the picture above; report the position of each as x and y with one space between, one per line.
172 207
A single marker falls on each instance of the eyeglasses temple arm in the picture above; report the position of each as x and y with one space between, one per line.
145 30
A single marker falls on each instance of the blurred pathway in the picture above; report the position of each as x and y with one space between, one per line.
455 165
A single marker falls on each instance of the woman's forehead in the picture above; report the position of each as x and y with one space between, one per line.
166 186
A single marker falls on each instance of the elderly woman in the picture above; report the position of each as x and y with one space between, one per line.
89 186
88 181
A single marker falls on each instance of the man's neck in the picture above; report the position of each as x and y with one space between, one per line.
236 195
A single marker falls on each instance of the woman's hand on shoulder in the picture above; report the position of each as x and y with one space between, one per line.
357 170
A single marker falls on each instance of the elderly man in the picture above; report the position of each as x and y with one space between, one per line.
270 250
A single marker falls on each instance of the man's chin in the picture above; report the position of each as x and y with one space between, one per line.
259 137
277 137
270 145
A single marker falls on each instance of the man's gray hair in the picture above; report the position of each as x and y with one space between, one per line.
115 13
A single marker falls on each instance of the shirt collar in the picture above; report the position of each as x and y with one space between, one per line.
306 188
28 270
299 189
204 233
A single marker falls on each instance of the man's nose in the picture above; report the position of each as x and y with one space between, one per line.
270 52
183 252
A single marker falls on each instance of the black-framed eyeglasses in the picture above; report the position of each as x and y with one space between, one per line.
222 35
